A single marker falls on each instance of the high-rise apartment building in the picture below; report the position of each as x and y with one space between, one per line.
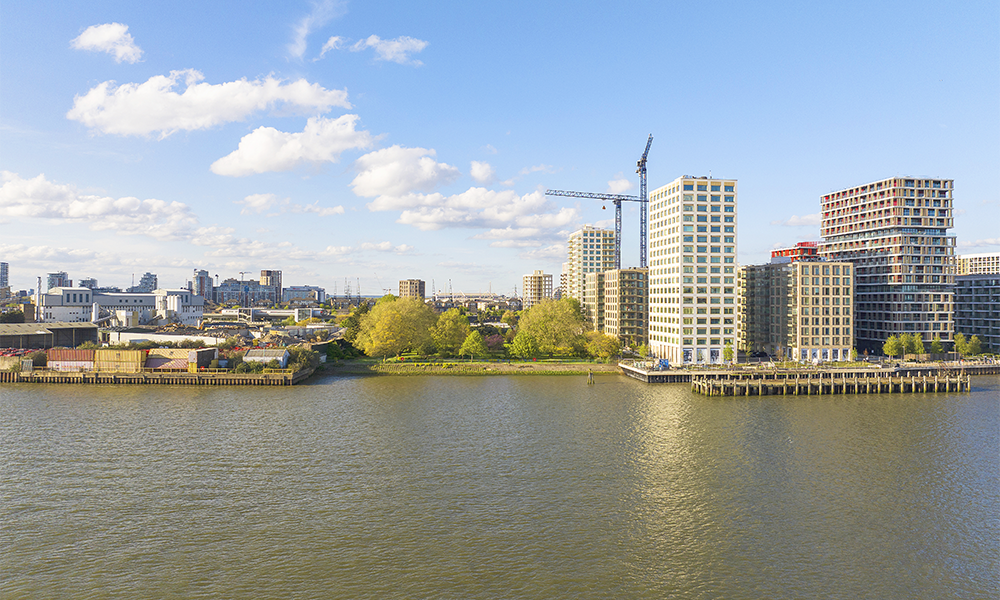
147 283
895 232
799 310
692 269
589 250
4 274
593 300
203 285
59 279
977 308
536 287
412 288
626 297
272 279
799 251
974 264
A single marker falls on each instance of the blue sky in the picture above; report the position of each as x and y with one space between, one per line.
378 141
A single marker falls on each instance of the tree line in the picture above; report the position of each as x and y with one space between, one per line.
555 328
908 343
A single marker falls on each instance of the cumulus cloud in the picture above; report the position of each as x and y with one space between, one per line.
478 208
482 172
553 252
258 203
267 149
619 185
797 221
397 171
385 247
985 242
321 14
112 38
397 50
156 107
39 198
50 254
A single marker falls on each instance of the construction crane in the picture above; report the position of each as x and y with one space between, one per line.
617 199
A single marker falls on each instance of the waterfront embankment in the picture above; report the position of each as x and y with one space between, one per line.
367 367
225 378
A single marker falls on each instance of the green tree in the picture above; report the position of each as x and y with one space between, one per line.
909 345
352 322
918 345
450 331
727 353
601 345
975 346
643 350
395 326
961 346
556 326
509 318
474 346
12 317
892 346
524 345
936 347
854 354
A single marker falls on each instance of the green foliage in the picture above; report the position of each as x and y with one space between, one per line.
961 346
893 346
602 346
450 332
12 317
975 346
89 345
727 353
555 325
936 346
289 321
230 343
352 322
918 345
386 298
38 359
510 318
854 354
474 346
300 357
524 345
396 326
191 344
642 350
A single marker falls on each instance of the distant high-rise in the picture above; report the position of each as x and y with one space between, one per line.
895 232
147 283
589 250
272 278
4 275
692 269
88 282
203 284
536 287
976 264
412 288
58 279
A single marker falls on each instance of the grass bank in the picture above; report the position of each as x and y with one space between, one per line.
416 367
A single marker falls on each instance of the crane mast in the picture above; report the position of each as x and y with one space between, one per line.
617 199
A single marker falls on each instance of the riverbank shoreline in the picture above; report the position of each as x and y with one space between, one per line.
355 367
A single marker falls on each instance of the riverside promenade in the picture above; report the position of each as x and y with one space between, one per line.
760 381
148 377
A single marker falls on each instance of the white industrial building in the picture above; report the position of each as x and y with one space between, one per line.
122 309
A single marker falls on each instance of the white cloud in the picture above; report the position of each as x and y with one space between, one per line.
155 107
267 149
39 198
543 168
619 185
804 221
489 148
322 13
477 208
397 171
50 254
985 242
112 38
482 172
385 247
553 252
258 203
334 43
397 50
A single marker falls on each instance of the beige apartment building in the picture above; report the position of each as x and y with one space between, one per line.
799 310
593 300
692 269
626 297
589 250
895 232
412 288
535 288
979 264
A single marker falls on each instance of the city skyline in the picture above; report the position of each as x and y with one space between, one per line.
335 140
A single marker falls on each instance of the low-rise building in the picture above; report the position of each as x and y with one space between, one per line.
79 304
266 355
412 288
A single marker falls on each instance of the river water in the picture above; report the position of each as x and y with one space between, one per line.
496 487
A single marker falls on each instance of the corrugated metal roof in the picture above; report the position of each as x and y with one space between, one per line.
166 363
40 328
265 353
69 354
